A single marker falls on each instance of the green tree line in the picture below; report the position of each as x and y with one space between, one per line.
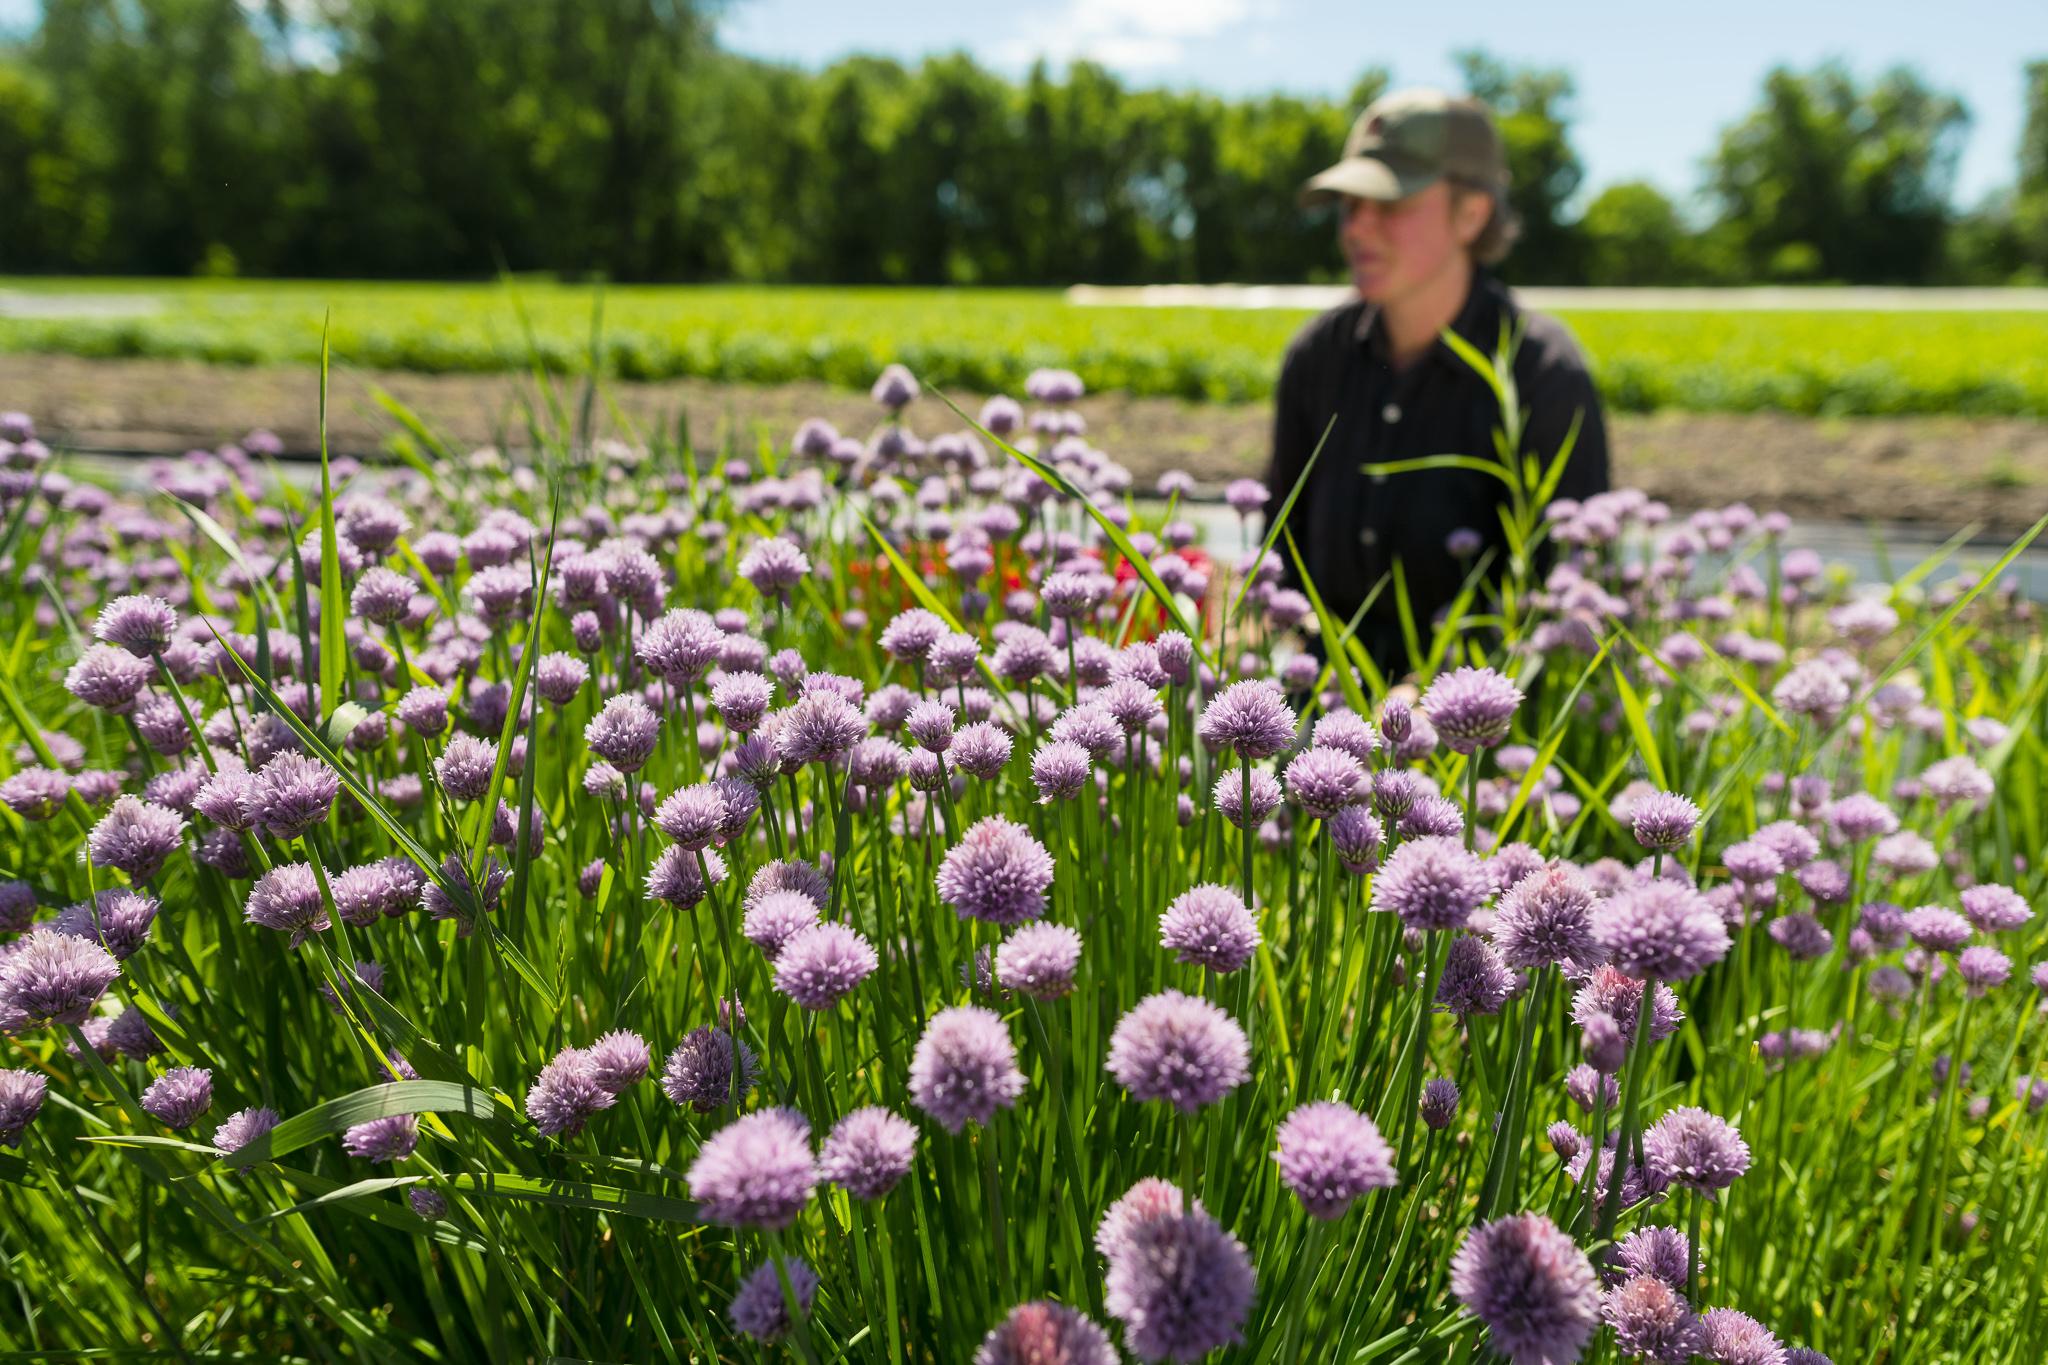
421 138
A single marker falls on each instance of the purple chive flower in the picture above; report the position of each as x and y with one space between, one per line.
1619 997
243 1127
1937 928
1859 817
868 1152
1956 781
1471 708
1059 770
1252 718
1813 689
1181 1286
381 596
391 1138
619 1060
1696 1150
1602 1041
1652 1321
819 726
1439 1103
623 733
1664 820
108 678
17 906
821 965
1180 1049
384 889
1230 793
774 919
1431 883
1547 917
465 766
1358 839
692 816
558 677
1474 980
741 699
1434 817
681 646
140 625
53 978
997 873
930 724
1730 1337
774 565
1663 930
35 794
179 1096
1995 909
1656 1251
1245 496
1148 1198
287 899
21 1099
1324 780
1330 1155
756 1171
1565 1140
117 919
1532 1287
791 874
1046 1333
566 1094
699 1072
135 836
423 710
1039 960
427 1204
760 1310
981 750
1584 1087
964 1067
1209 926
294 793
1801 935
677 879
1983 969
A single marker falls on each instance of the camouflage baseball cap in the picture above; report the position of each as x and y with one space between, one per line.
1407 141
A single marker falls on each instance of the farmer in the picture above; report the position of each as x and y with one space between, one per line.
1422 215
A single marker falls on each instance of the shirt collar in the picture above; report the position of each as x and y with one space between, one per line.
1478 320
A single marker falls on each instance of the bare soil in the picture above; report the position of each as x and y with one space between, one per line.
1937 471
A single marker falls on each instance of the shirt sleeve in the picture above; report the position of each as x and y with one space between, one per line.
1557 391
1291 445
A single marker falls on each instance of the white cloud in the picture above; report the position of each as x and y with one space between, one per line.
1130 35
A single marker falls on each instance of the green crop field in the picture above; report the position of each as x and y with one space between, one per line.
1817 362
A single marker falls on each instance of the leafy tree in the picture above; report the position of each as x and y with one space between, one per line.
1532 107
1827 179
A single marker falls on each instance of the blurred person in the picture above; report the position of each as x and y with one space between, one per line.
1423 217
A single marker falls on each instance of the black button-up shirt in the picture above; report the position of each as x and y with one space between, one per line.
1351 526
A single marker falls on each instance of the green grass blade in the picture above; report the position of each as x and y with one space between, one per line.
1279 519
333 607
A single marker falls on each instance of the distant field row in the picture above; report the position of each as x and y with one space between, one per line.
1823 361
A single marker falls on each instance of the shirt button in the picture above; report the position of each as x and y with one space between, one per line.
1368 537
1391 413
1379 478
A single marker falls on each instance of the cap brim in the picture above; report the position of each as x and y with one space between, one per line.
1365 177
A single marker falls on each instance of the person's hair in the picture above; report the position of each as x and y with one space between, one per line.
1503 225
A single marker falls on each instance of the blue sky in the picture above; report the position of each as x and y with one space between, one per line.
1656 81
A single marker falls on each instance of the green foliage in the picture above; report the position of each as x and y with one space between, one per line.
1818 362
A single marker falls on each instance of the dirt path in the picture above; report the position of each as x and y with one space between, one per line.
1939 471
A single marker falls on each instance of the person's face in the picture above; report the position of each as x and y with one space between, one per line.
1395 248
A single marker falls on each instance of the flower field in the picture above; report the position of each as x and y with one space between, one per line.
878 898
1821 362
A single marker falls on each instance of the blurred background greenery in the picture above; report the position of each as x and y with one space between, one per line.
448 138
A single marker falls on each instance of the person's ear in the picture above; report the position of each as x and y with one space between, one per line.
1471 211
